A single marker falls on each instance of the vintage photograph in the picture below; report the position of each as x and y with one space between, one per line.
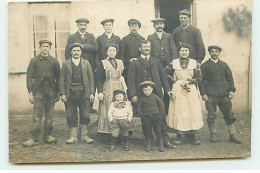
129 80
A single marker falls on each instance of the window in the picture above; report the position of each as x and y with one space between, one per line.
48 22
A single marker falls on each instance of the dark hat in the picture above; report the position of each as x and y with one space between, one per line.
147 83
134 21
82 20
107 20
119 91
214 47
45 41
185 12
75 45
158 20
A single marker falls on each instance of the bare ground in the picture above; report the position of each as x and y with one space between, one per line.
19 131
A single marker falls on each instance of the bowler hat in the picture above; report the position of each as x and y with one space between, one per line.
134 21
45 41
107 20
214 47
75 45
185 12
82 20
158 20
147 83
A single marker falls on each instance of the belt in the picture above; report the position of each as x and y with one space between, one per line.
77 86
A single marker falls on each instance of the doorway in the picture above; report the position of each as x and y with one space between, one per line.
169 10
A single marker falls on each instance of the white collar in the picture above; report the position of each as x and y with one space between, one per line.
82 33
109 35
76 61
215 61
159 34
143 56
186 26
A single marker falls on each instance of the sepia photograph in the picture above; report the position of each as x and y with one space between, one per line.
102 81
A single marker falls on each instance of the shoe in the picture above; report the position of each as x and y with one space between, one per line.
93 111
169 145
113 142
112 147
84 134
50 140
233 138
73 136
192 138
161 149
30 143
148 145
213 137
126 141
179 140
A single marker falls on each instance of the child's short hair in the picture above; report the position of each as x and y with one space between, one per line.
119 91
147 83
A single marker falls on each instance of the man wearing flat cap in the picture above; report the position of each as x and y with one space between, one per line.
108 38
42 79
217 89
188 34
77 92
130 44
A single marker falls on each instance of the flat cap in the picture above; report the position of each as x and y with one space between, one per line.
107 20
45 41
214 47
134 21
119 91
185 12
147 83
75 45
158 20
82 20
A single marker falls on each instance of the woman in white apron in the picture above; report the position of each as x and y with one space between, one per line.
184 115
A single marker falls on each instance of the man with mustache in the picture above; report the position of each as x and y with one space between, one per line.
89 45
148 68
108 38
42 83
188 34
130 44
77 92
217 89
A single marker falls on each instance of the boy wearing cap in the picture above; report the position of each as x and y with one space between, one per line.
77 92
108 38
43 74
120 115
130 44
151 110
188 34
217 89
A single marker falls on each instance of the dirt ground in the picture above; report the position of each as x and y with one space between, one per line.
19 131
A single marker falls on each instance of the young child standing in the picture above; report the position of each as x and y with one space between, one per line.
120 115
151 110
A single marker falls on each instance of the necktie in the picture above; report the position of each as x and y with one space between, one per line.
113 62
146 58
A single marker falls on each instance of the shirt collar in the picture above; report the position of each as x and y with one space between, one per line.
215 61
159 34
44 57
109 35
185 26
143 56
76 61
82 33
111 58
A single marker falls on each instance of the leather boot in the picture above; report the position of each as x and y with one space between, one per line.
126 141
213 131
193 139
30 143
50 140
178 141
73 136
161 149
112 143
84 135
148 145
232 134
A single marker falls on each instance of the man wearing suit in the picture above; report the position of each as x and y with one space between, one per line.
130 44
163 48
162 44
107 38
42 83
77 92
89 45
217 89
148 68
188 34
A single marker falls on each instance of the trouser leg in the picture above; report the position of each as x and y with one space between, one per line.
49 109
38 108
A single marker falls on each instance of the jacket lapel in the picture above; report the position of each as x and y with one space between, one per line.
83 67
79 36
163 35
69 66
156 36
143 61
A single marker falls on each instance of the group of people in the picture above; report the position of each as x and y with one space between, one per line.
158 79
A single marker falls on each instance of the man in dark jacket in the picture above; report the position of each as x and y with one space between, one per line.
188 34
148 68
130 44
43 74
217 89
77 92
108 38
